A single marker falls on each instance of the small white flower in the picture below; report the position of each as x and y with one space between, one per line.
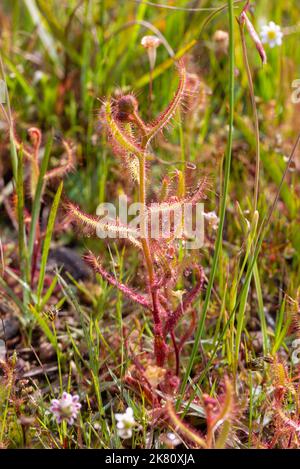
38 76
125 423
173 439
65 408
271 34
212 219
151 43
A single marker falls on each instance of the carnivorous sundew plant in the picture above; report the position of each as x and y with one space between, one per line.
131 137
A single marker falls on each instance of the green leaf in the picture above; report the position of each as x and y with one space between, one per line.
47 241
35 213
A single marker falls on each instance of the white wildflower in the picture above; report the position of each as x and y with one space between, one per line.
271 34
173 439
125 423
65 408
212 219
151 43
38 76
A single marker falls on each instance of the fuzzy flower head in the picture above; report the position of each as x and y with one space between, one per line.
125 423
221 40
65 408
150 42
271 34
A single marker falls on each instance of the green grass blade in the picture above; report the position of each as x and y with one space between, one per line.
57 30
45 37
23 254
47 241
218 245
37 199
272 164
261 312
44 326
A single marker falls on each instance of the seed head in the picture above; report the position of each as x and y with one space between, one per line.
124 107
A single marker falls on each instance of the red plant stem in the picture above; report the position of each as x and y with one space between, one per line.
36 250
187 301
139 385
160 347
92 261
189 332
176 350
150 90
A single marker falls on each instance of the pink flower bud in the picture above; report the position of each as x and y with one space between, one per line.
255 37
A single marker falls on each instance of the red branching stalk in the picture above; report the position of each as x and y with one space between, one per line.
186 302
97 266
165 117
31 156
90 224
67 167
36 138
286 429
176 351
217 415
189 332
160 347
